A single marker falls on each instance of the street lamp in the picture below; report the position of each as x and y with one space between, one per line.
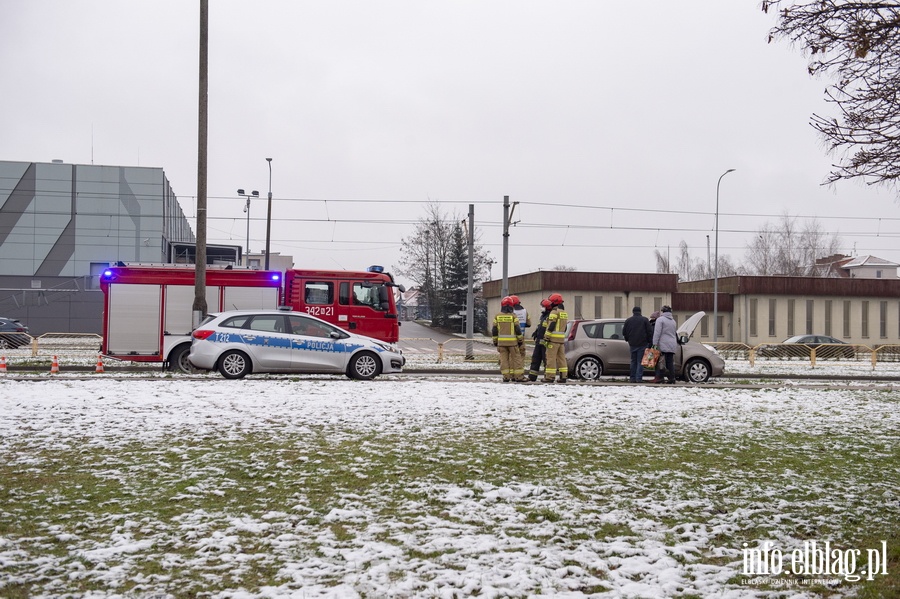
269 214
252 194
716 268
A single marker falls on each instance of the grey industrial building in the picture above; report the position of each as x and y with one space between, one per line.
62 224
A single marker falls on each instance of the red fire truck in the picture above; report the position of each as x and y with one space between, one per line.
361 302
148 313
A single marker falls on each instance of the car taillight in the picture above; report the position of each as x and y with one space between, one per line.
201 334
574 328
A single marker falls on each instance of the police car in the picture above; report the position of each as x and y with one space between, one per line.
241 342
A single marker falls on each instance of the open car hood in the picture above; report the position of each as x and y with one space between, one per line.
688 326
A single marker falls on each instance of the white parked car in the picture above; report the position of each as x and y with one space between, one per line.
238 343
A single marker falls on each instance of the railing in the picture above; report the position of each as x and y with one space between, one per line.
76 347
67 344
850 352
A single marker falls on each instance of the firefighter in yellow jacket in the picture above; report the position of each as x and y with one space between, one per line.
508 338
554 339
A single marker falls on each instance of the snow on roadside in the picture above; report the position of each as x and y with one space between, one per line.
425 536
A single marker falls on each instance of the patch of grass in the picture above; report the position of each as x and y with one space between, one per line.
191 497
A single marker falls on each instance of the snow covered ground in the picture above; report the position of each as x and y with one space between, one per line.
401 487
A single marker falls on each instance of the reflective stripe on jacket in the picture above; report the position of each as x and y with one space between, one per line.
506 331
556 326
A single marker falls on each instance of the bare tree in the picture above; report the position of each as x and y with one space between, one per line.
564 268
428 256
857 43
689 268
662 262
789 248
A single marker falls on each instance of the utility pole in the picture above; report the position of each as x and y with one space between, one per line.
470 294
269 214
507 218
199 308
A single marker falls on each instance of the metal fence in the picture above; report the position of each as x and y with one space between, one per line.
795 352
71 345
76 347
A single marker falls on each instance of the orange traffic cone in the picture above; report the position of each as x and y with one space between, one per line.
99 368
54 367
2 364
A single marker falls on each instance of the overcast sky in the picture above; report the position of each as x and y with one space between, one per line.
609 122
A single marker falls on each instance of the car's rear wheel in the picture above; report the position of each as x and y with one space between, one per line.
364 366
696 371
234 364
588 368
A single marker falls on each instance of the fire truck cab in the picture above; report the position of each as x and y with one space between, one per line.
148 309
360 302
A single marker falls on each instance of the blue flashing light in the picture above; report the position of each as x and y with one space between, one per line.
276 277
107 273
375 268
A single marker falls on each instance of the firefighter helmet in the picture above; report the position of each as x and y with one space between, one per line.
515 300
555 298
545 303
506 301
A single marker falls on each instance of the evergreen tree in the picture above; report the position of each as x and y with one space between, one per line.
435 258
457 282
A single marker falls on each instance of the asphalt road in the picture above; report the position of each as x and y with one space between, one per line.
418 339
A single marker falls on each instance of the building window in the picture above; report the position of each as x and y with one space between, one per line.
877 274
790 329
704 326
809 316
598 306
754 303
846 318
828 317
638 301
657 304
578 303
720 324
882 327
864 319
772 315
618 307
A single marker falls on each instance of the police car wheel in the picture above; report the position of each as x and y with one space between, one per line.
364 366
234 364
